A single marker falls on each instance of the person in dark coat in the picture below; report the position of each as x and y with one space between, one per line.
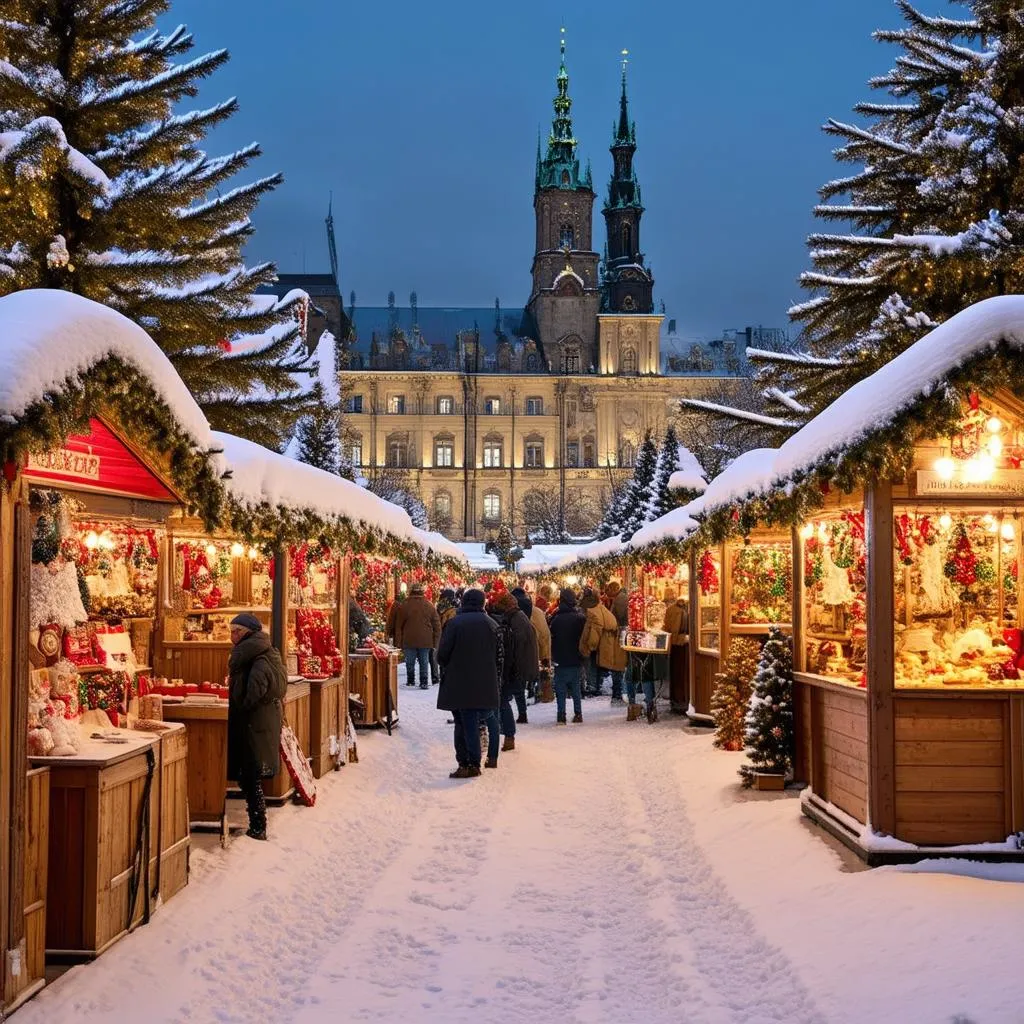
521 666
525 603
446 607
566 629
417 631
258 684
358 622
470 655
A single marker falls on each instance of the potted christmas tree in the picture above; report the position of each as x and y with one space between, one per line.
769 719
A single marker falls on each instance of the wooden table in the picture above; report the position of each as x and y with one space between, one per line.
328 717
96 838
370 679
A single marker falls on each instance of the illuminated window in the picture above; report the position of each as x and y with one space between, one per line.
396 404
492 507
492 454
444 452
445 406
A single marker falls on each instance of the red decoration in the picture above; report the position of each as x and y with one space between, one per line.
100 461
707 574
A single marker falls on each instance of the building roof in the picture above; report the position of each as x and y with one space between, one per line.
438 325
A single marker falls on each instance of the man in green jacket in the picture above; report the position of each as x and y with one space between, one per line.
258 684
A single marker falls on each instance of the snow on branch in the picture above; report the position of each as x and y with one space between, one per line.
834 127
786 399
742 414
794 358
179 72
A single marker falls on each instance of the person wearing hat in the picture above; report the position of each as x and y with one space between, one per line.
566 631
258 684
471 658
417 631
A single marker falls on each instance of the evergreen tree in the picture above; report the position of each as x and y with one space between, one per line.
318 443
505 548
937 205
731 694
668 455
107 194
611 523
769 720
638 495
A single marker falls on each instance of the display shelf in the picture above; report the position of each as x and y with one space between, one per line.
88 670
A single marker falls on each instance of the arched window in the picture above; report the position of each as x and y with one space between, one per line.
492 453
627 239
571 360
566 237
444 452
627 455
531 362
629 360
565 177
492 507
398 454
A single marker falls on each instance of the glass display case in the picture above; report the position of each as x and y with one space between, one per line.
956 598
709 601
761 584
835 608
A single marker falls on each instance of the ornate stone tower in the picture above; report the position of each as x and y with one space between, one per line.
627 285
563 306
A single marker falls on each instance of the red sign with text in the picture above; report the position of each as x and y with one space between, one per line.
97 461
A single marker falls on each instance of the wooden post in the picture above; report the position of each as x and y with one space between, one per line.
880 669
279 604
724 601
799 609
19 720
7 897
694 625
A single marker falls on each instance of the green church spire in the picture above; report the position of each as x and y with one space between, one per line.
625 132
560 168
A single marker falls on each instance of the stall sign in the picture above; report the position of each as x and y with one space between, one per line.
1002 482
97 461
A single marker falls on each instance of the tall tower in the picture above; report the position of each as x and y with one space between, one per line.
627 285
563 306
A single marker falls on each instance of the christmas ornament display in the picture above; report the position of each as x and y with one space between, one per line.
762 585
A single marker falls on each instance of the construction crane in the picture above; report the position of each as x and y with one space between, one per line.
332 246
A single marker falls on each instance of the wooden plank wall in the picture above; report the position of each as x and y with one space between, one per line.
705 668
195 663
958 767
172 843
839 727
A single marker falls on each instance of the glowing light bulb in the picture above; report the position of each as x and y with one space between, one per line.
807 531
92 540
995 447
986 466
237 550
107 541
945 467
994 425
822 532
253 553
572 580
1007 531
945 522
211 550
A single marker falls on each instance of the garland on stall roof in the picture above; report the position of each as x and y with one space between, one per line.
116 386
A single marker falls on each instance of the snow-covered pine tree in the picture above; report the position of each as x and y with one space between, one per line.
668 455
611 523
318 443
936 203
769 719
731 694
107 194
638 494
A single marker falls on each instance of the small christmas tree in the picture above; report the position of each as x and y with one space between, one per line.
638 494
317 440
732 693
770 714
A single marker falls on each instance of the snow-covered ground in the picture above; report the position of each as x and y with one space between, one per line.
608 872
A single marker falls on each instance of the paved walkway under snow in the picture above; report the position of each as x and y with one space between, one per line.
609 872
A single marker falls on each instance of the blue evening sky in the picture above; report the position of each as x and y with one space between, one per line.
422 118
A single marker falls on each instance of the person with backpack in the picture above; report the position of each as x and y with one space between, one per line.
566 627
519 642
471 657
600 644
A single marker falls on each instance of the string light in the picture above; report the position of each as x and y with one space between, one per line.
1007 531
994 425
237 550
92 540
211 550
945 467
945 522
807 531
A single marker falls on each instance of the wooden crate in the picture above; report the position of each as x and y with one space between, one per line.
94 828
296 714
328 706
360 684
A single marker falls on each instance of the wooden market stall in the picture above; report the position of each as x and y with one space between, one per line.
100 442
908 609
666 589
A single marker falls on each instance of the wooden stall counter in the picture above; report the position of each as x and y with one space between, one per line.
328 718
373 681
112 807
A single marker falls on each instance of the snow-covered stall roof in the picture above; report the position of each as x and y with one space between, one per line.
596 549
439 544
675 525
873 403
262 477
50 338
747 474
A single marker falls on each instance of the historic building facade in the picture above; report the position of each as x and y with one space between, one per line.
557 410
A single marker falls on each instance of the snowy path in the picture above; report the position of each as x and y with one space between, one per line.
604 873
